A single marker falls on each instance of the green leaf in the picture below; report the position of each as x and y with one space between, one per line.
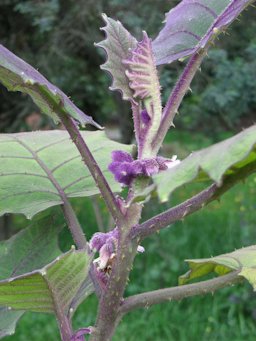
117 44
227 158
8 321
28 250
17 75
40 169
50 289
192 24
243 260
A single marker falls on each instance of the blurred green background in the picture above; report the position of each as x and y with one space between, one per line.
57 37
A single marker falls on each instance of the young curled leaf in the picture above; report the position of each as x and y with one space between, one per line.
143 80
142 71
117 45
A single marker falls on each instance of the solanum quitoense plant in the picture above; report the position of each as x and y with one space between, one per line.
42 169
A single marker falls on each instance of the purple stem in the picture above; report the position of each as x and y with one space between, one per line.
177 95
74 226
191 205
136 109
178 293
93 167
173 214
64 326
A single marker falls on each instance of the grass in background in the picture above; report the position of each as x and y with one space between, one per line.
229 314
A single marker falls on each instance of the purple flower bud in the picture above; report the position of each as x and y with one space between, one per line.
98 240
167 163
136 168
145 118
161 162
121 156
150 167
125 169
122 172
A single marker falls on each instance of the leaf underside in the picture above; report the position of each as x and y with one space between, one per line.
50 289
117 45
227 158
192 24
19 255
17 75
243 260
39 169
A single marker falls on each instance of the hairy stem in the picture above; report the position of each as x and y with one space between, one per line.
109 305
74 226
108 311
175 98
98 216
174 214
93 167
147 299
64 326
191 205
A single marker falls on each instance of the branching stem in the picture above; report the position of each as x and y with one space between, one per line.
74 226
178 293
176 96
191 205
93 167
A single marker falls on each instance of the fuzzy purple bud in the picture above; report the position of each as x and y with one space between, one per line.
121 156
145 118
125 169
122 172
150 167
98 240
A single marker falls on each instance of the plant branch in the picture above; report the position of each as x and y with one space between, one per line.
176 96
191 205
64 326
74 226
98 215
93 167
147 299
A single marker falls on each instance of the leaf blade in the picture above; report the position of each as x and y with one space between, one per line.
18 255
242 260
17 75
117 45
225 158
8 321
192 24
36 167
48 289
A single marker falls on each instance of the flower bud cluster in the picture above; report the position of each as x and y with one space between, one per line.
126 169
106 244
